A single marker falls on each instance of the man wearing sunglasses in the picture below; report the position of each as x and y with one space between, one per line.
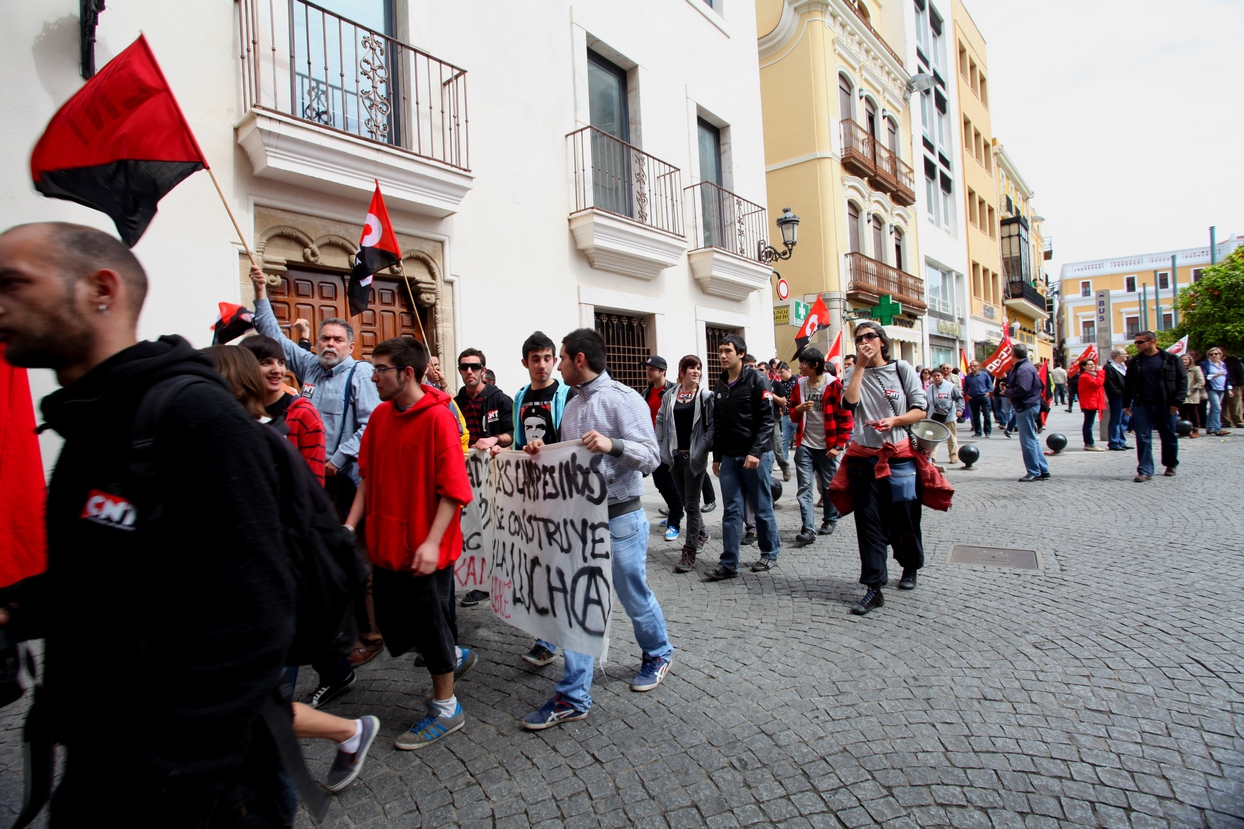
489 412
1153 391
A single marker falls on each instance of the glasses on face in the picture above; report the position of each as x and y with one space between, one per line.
862 338
470 366
1140 342
382 369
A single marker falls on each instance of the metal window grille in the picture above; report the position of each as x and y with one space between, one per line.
712 341
626 347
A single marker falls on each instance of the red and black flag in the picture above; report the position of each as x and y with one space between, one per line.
119 144
378 250
233 322
818 318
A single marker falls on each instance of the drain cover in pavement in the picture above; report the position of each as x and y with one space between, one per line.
994 556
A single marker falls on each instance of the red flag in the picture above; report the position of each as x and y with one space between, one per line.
233 322
23 496
963 364
835 353
119 144
818 318
1089 353
378 249
1000 362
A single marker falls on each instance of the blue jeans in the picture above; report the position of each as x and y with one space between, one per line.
1118 439
789 427
1090 418
629 536
1144 418
980 411
735 480
1214 424
810 462
1034 460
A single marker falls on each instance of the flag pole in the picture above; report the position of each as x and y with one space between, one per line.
414 309
232 218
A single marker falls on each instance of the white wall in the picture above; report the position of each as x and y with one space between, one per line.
509 248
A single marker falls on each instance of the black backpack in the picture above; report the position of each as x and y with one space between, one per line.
327 568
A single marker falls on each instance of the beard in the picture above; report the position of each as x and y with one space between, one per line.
58 344
330 362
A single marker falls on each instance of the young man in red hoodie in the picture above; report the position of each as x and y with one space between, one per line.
414 485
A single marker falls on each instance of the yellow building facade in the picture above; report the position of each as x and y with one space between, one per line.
838 153
985 280
1025 284
1141 292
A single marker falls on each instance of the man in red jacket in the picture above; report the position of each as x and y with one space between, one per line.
414 486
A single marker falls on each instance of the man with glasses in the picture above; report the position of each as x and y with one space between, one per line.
489 412
1153 391
978 385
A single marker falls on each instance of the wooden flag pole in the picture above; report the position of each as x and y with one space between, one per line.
414 309
232 218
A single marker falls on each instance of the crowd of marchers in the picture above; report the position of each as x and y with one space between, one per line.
165 522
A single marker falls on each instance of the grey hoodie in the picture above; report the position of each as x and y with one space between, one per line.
880 385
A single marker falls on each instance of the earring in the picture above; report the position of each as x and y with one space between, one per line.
103 309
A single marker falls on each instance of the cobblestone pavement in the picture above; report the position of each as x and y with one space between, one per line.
1103 690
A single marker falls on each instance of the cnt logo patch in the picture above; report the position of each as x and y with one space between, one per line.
109 510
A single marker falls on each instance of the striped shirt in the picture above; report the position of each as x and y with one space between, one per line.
619 413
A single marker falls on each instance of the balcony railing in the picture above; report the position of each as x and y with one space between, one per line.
905 192
871 279
615 177
726 221
1024 291
885 176
857 149
868 25
308 62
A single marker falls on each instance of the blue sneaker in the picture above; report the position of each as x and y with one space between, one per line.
466 663
554 712
430 729
664 522
651 673
671 534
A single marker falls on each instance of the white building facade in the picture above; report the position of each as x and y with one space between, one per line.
546 166
939 179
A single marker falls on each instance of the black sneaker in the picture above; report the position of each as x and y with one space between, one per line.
709 507
827 528
764 564
805 537
473 598
538 656
908 581
719 573
701 542
346 766
872 600
325 694
749 538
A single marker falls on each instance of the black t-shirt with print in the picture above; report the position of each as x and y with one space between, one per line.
536 416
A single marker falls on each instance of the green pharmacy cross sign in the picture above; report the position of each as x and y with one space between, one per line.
887 309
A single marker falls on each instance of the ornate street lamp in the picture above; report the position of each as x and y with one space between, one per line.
788 224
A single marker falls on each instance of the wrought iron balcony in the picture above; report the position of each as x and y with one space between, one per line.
615 177
885 170
726 221
905 192
870 280
304 61
1025 298
857 149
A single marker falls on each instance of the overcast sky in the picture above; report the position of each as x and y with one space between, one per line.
1126 117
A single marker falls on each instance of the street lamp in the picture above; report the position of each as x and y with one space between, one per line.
788 224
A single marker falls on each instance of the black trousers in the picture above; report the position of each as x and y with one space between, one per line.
881 523
663 478
417 613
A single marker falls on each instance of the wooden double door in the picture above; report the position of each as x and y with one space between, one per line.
320 295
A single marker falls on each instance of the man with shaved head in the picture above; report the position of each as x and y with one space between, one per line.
163 578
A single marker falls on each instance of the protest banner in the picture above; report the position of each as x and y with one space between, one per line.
544 523
471 570
1001 361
